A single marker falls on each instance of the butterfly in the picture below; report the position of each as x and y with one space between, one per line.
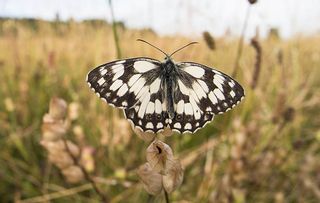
154 95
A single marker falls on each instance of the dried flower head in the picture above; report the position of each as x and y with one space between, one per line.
159 155
87 160
73 174
173 177
253 1
162 170
151 180
209 40
57 108
73 111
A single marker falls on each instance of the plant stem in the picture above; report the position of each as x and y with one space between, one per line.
240 44
103 197
114 29
166 195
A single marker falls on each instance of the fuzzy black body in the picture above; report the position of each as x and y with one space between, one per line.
169 74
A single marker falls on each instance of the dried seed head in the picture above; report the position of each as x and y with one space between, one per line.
9 105
252 1
73 111
288 114
61 159
52 129
59 146
173 177
146 136
209 40
57 108
151 180
73 174
87 160
159 155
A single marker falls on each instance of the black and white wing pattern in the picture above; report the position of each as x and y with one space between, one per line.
135 86
200 94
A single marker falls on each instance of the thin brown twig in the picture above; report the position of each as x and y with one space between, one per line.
257 67
102 196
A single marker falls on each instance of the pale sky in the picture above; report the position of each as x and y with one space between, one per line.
188 17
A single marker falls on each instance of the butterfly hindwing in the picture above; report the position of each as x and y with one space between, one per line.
120 82
201 93
149 114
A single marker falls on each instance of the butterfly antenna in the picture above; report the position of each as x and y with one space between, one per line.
141 40
191 43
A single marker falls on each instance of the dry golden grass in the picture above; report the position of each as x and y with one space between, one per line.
265 150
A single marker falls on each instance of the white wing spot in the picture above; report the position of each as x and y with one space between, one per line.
188 109
103 71
203 85
195 71
137 86
188 126
142 92
198 90
177 125
122 90
143 66
218 81
154 87
118 74
180 107
196 109
143 106
219 94
158 106
231 84
124 103
150 108
159 125
208 109
232 93
116 85
149 125
183 88
133 79
101 81
213 98
116 68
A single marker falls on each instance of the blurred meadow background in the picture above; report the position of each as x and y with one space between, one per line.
267 149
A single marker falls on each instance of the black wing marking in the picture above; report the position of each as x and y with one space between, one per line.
201 93
150 115
120 82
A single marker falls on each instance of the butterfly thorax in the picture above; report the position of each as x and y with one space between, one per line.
169 74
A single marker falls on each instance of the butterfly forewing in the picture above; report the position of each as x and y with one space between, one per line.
134 85
201 93
120 82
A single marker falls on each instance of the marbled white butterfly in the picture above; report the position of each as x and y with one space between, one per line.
154 95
